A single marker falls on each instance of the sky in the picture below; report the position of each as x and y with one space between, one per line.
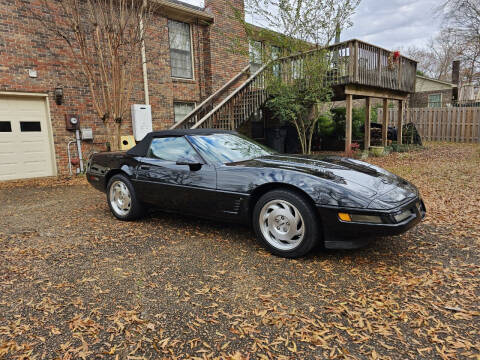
391 24
395 24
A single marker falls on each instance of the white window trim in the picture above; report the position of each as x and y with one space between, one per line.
191 54
428 100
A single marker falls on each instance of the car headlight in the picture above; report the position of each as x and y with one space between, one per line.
395 196
402 215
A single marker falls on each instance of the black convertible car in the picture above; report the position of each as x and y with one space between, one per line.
292 201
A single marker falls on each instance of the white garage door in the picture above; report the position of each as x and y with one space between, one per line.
25 140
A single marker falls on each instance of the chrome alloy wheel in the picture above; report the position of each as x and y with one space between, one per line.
282 224
120 198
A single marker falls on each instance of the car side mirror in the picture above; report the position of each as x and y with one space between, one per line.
194 165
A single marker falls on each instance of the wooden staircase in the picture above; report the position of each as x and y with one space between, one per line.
234 109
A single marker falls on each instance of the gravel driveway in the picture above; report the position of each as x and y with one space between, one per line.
76 283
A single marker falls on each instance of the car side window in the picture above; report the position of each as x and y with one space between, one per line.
172 149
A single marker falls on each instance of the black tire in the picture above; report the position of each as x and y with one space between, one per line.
310 230
136 209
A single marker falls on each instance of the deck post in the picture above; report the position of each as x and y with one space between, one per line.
368 115
348 124
401 108
385 122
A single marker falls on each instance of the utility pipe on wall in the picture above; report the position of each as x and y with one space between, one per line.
70 156
79 149
144 60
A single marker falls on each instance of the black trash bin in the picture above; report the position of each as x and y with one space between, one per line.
276 138
292 143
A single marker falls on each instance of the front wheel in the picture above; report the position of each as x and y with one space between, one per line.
122 199
285 223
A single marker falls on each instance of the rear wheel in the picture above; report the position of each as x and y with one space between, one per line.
122 199
285 223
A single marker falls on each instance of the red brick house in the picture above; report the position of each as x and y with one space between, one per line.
190 64
33 134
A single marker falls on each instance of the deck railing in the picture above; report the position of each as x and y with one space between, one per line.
357 62
239 105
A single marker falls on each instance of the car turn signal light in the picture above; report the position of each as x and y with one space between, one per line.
344 217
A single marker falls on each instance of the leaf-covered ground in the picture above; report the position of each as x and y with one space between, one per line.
76 283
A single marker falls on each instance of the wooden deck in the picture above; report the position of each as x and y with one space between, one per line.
373 66
368 71
362 69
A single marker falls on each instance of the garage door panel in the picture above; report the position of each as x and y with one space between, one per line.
34 167
7 148
34 158
8 171
25 150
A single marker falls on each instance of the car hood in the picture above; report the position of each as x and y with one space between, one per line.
357 176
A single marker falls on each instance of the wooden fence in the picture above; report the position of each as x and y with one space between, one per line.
456 124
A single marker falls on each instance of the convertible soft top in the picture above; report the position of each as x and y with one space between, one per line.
142 147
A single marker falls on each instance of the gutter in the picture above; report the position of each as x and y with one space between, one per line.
144 65
184 13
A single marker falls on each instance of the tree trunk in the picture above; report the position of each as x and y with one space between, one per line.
116 137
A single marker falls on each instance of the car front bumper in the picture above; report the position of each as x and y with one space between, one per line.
338 234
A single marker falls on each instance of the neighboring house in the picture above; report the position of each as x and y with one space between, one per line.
469 94
33 134
431 93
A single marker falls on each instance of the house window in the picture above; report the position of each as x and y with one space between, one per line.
180 49
275 53
255 51
435 100
5 126
30 126
297 68
182 109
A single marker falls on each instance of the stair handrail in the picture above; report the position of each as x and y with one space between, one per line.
248 81
211 97
236 91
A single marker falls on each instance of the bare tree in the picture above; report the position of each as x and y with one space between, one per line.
104 38
427 64
462 17
435 59
459 39
312 21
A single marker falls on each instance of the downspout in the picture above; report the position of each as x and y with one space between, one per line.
144 60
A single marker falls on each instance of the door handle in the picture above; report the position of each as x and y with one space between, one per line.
144 167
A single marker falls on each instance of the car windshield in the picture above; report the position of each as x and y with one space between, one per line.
227 148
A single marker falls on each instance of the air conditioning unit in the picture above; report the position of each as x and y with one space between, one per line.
141 120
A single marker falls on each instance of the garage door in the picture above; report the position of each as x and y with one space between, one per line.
25 141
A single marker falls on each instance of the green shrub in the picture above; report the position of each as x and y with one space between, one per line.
331 127
334 126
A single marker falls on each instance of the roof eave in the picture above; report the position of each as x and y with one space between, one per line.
436 80
183 13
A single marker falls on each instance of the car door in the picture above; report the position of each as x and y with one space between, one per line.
162 181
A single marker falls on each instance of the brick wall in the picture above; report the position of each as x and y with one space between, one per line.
228 41
24 45
420 99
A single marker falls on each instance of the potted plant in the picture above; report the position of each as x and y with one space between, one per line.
377 151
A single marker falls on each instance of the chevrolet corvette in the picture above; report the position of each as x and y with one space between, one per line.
293 202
